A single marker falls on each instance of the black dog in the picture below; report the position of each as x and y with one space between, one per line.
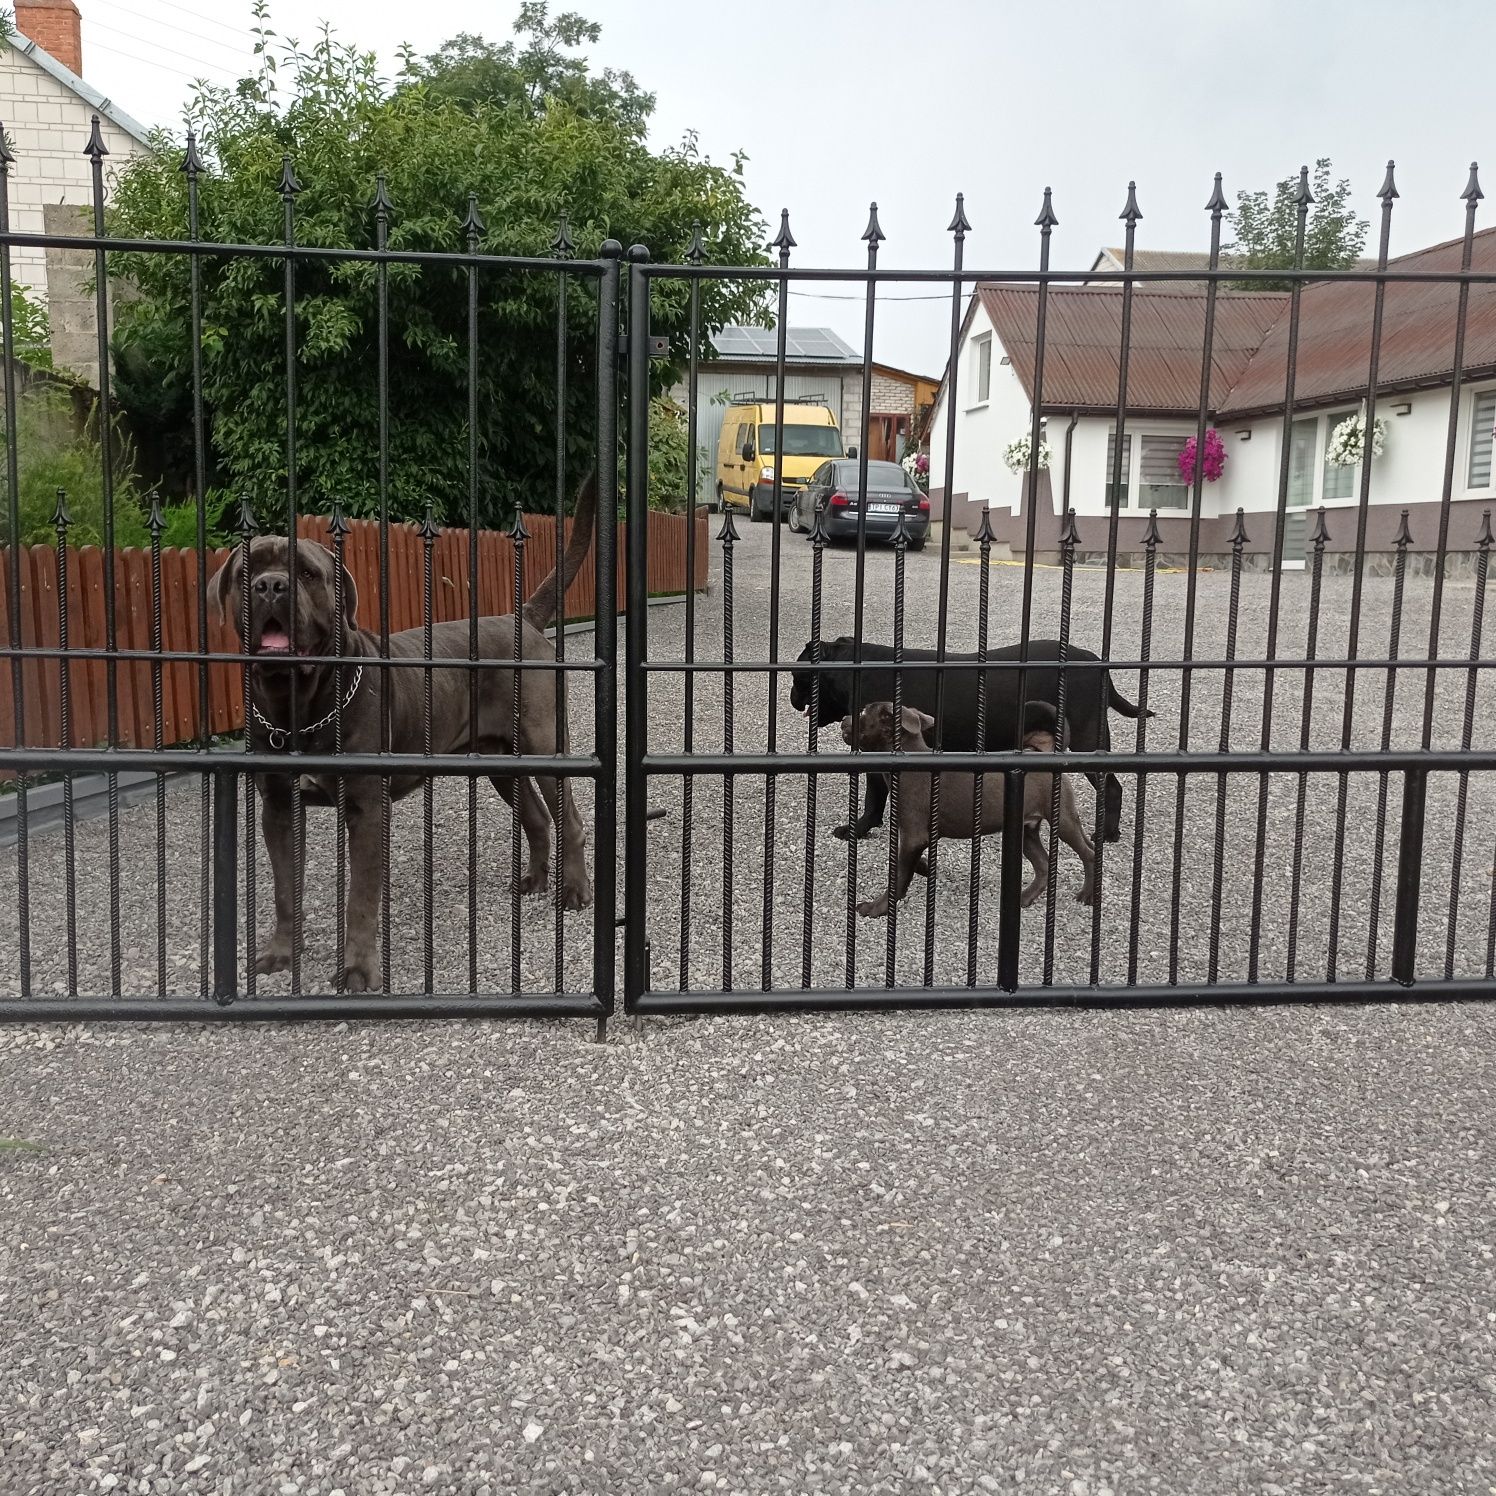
1088 694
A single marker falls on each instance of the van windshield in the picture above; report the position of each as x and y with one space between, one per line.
802 441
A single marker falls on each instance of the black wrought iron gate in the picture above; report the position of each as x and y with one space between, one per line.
1280 808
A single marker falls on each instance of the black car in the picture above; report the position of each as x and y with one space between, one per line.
890 491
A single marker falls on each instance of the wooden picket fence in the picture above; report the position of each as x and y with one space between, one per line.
180 722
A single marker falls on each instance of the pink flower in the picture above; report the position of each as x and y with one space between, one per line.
1212 465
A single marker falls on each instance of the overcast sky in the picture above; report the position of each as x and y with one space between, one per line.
843 101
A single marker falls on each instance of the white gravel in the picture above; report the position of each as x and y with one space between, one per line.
1068 1252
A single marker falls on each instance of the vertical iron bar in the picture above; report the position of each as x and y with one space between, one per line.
382 206
1311 646
518 535
1217 207
96 151
226 888
1401 542
728 536
13 602
1151 539
1228 680
636 618
225 977
472 229
1275 591
1409 874
784 242
339 529
289 187
605 688
1131 214
1008 930
891 931
695 255
812 781
562 248
974 889
872 236
1472 196
1387 194
1046 223
192 166
1467 732
959 227
428 532
1069 540
61 521
157 522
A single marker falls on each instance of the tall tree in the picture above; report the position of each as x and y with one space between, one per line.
533 134
1267 228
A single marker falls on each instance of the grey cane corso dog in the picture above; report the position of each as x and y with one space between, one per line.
275 676
875 732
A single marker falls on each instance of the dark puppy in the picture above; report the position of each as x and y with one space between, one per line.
1088 694
277 675
875 732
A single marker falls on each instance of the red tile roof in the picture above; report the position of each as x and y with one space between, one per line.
1250 351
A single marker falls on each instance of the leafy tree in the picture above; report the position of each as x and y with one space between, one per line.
1267 228
527 130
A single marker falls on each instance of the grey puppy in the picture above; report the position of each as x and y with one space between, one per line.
958 801
275 676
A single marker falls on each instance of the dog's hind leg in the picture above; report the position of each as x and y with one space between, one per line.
277 826
576 885
1037 855
526 804
1073 834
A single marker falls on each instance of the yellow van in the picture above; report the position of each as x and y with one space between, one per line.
747 451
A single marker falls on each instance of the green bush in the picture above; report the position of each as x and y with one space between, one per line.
52 454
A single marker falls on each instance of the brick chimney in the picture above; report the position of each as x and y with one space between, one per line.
56 27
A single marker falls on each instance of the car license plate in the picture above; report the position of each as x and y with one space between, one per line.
883 508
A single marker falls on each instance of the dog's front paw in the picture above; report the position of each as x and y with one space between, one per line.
359 974
849 833
535 880
577 894
276 956
1086 895
1032 894
874 908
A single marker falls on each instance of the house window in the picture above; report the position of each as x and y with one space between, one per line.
1116 494
982 353
1482 419
1303 445
1159 483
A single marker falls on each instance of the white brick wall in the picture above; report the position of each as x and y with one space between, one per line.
892 397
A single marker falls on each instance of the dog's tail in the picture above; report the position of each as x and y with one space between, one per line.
1119 703
544 603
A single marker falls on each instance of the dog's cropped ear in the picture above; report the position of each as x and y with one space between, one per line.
350 588
223 588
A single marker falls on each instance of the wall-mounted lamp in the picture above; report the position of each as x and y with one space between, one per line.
1004 361
1404 409
1244 436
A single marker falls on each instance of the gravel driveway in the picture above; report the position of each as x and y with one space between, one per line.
1072 1252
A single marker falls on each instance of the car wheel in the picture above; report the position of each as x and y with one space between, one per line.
717 507
918 545
795 526
754 514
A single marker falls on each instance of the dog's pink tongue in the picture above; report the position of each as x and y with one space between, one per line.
273 641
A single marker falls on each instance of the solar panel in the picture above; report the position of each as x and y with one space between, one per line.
809 344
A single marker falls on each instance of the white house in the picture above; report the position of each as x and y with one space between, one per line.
47 111
997 377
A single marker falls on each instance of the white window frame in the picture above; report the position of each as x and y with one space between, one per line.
1475 396
1135 486
1328 421
983 397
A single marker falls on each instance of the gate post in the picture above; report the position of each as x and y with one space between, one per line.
605 682
225 888
1010 888
1409 872
636 683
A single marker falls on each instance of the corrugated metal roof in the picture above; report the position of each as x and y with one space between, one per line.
1083 341
1418 334
1250 350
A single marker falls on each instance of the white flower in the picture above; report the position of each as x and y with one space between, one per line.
1347 444
1016 455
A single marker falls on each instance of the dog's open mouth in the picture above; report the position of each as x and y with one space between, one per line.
273 641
